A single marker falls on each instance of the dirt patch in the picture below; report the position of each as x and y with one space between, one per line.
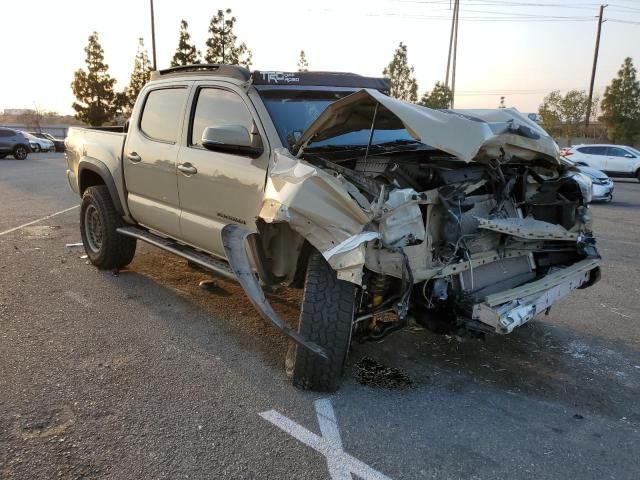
372 373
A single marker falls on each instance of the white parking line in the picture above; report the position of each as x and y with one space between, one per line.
341 465
38 220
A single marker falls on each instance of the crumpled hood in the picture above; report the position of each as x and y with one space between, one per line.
468 135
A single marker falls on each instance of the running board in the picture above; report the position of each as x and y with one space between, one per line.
238 269
202 259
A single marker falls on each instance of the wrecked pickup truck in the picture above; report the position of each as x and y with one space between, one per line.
465 221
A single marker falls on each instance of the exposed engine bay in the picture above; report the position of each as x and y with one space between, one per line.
450 235
477 231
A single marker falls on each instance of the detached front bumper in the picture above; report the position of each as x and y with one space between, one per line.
507 310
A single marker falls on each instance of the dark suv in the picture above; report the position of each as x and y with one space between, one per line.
13 142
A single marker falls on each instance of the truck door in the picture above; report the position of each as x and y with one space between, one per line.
620 160
150 156
218 188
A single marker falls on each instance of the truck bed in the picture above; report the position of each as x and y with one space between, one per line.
96 148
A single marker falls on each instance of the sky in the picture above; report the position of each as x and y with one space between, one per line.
521 49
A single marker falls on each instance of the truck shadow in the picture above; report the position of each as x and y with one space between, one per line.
542 359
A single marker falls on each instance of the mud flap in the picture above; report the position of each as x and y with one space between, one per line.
233 239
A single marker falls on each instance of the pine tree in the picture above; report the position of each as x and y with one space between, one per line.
303 64
93 87
439 97
403 84
221 45
186 53
139 78
621 105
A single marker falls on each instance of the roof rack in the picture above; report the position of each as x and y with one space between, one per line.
233 71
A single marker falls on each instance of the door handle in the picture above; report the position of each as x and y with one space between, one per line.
187 168
134 157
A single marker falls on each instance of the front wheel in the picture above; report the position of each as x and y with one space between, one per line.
105 247
326 318
20 152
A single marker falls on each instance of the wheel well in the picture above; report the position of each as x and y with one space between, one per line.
89 178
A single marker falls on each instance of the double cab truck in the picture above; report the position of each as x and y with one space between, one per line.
383 211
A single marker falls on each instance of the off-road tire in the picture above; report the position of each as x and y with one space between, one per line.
20 152
326 318
113 250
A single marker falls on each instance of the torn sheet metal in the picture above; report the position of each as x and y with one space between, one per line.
318 206
527 228
487 133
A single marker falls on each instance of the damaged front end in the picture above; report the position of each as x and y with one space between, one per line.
475 224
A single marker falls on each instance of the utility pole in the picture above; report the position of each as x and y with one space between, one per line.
455 53
153 38
453 23
595 63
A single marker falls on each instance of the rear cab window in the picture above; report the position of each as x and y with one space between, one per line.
162 113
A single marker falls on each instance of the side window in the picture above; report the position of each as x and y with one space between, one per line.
216 107
593 150
617 152
163 110
5 133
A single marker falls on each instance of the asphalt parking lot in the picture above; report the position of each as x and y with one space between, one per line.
147 375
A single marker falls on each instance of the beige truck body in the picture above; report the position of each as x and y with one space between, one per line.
168 183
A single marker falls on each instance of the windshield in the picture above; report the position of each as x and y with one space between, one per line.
293 111
635 151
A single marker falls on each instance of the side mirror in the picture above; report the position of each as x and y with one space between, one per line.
628 155
234 139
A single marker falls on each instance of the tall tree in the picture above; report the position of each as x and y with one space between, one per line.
139 78
186 53
93 87
439 97
564 115
303 64
403 84
222 43
621 105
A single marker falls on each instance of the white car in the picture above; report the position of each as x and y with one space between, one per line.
40 144
614 160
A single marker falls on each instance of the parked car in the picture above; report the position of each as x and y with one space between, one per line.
614 160
467 220
40 144
13 142
58 142
602 184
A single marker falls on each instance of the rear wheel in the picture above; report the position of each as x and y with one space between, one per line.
327 320
105 247
36 148
20 152
3 155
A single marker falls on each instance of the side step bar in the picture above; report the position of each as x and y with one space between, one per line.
238 269
213 264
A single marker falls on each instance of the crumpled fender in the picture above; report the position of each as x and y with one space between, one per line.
318 206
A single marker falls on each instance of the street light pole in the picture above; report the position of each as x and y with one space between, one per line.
153 38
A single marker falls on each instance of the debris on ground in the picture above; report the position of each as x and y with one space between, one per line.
372 373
